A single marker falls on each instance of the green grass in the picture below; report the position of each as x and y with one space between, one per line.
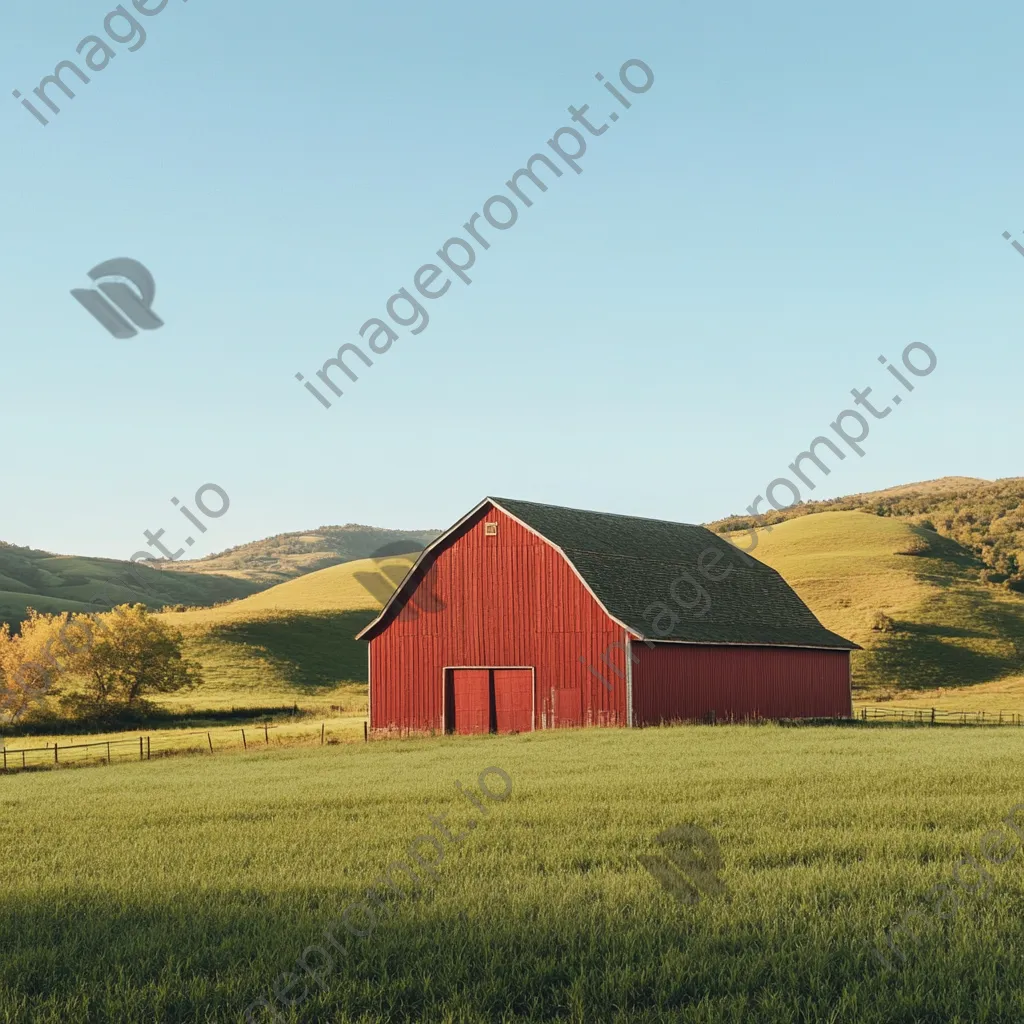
180 891
952 629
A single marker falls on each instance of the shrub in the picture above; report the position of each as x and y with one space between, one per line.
916 546
883 623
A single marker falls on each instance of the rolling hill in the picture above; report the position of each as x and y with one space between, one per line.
985 516
288 555
294 642
54 583
925 576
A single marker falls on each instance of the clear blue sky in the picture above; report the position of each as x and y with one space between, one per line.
802 189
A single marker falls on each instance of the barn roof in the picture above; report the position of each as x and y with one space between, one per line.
630 565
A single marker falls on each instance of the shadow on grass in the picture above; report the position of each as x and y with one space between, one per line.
309 650
81 957
962 638
148 718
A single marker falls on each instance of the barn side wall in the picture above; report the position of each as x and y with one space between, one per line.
507 600
686 682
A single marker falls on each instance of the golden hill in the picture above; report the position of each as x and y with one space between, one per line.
985 516
288 555
293 642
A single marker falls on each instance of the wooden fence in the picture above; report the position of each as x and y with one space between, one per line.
937 716
162 744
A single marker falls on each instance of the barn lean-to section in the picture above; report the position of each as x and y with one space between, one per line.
521 615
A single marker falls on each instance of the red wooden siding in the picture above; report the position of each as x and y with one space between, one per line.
510 599
685 682
568 709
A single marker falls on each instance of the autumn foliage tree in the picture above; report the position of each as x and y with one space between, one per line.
132 655
96 664
29 673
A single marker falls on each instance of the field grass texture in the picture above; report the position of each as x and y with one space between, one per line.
184 890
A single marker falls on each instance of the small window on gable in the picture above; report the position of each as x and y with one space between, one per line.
490 529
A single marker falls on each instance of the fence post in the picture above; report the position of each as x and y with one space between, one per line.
23 759
245 746
108 751
366 729
266 734
210 740
322 724
933 716
55 752
147 748
140 748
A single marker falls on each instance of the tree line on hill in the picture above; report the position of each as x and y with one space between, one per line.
96 667
986 518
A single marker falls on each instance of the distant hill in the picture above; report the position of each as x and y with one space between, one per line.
985 516
54 583
288 555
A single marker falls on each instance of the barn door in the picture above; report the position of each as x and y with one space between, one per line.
513 699
471 700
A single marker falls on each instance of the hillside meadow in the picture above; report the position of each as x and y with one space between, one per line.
950 630
292 643
181 890
985 516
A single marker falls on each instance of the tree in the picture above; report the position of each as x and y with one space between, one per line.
131 654
29 670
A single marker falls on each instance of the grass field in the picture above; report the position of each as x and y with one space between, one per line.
181 890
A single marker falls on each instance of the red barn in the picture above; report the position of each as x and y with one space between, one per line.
525 616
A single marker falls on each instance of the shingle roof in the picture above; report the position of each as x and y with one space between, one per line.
631 564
